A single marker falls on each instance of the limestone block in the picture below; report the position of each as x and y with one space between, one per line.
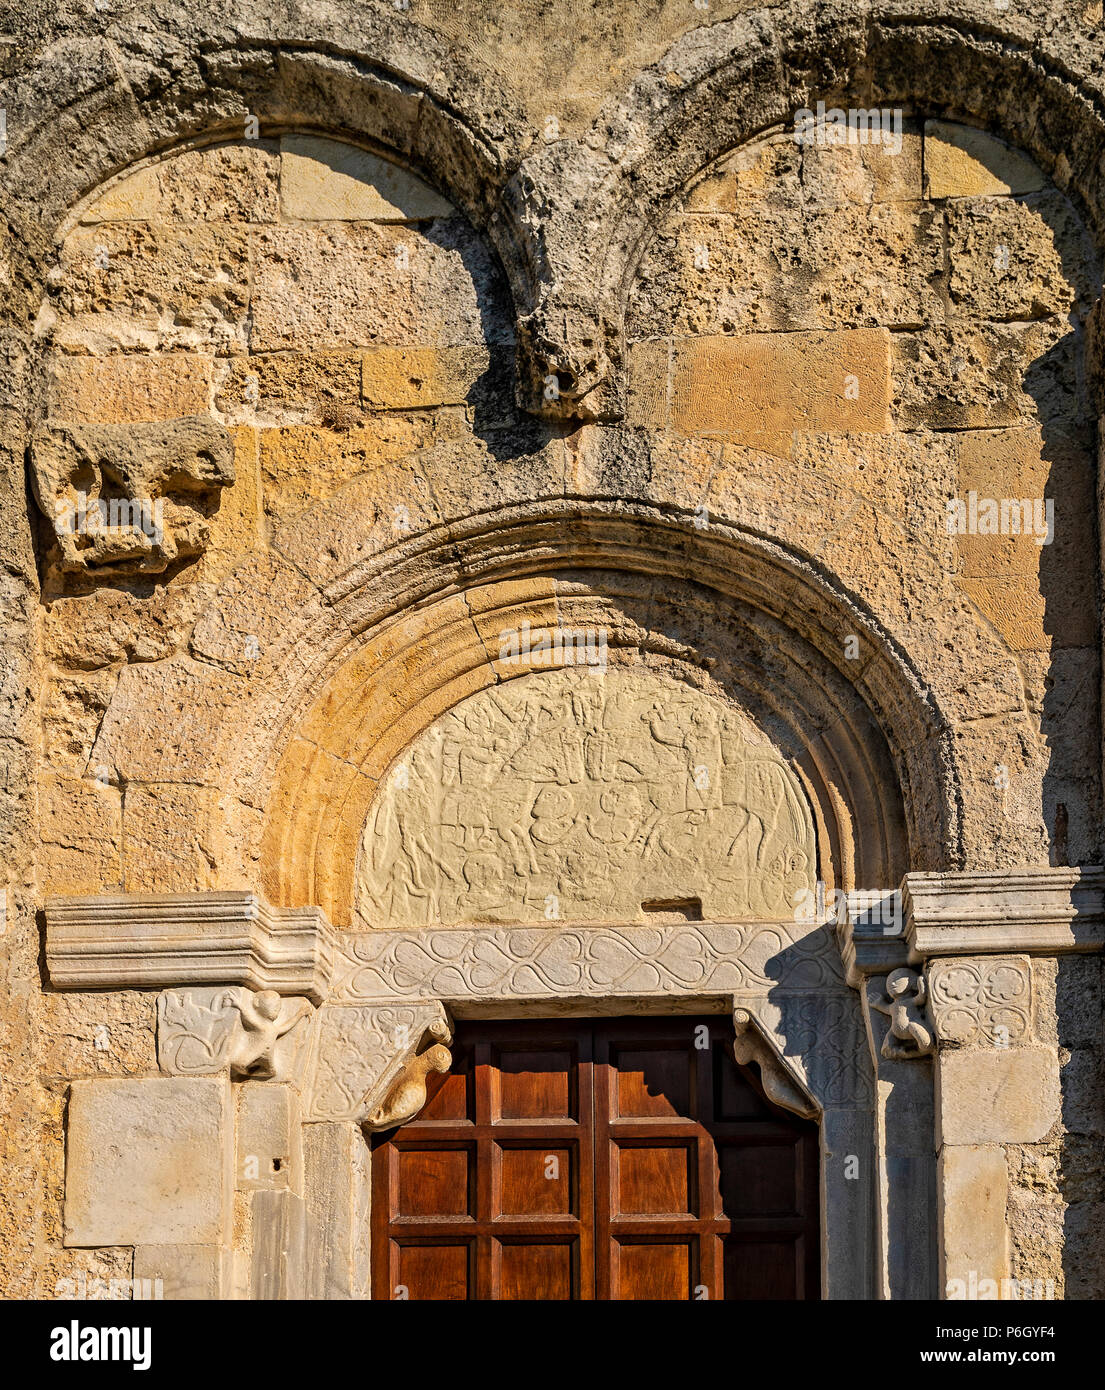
81 829
149 1162
983 376
848 1190
759 388
121 387
1015 259
231 182
309 288
414 378
996 1095
649 371
166 845
961 162
279 1246
973 1238
775 268
305 464
324 179
185 1271
135 285
770 168
871 173
157 728
269 1144
289 388
134 197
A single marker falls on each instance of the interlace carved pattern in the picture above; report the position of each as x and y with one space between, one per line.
536 963
983 999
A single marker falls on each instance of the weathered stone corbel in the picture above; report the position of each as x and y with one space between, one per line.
902 997
568 363
201 1031
130 498
781 1080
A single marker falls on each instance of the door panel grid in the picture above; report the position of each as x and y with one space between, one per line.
610 1159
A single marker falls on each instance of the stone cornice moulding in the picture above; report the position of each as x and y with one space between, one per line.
140 941
1039 910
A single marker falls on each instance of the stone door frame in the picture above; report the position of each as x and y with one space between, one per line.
294 1040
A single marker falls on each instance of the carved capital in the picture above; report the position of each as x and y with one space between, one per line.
982 1001
201 1031
782 1081
901 997
369 1062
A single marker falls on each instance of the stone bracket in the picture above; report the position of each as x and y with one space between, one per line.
137 941
204 1030
782 1081
369 1062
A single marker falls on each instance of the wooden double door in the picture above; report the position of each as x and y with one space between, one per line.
610 1159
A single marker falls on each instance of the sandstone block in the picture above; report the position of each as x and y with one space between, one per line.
759 388
132 386
961 162
324 180
149 1162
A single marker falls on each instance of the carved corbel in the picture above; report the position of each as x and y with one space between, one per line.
370 1062
407 1094
902 997
568 363
781 1080
254 1034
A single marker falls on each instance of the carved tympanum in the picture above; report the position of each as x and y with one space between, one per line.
903 1001
133 498
566 795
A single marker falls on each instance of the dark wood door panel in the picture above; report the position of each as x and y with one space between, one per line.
618 1159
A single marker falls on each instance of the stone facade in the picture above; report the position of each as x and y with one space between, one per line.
509 516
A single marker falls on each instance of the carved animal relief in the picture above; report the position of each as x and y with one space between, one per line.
566 795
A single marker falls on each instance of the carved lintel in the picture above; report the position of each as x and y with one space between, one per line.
781 1080
202 1031
902 996
359 1053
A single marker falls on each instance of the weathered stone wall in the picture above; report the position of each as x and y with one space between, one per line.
318 363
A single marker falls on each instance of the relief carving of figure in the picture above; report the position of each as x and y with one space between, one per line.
572 796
